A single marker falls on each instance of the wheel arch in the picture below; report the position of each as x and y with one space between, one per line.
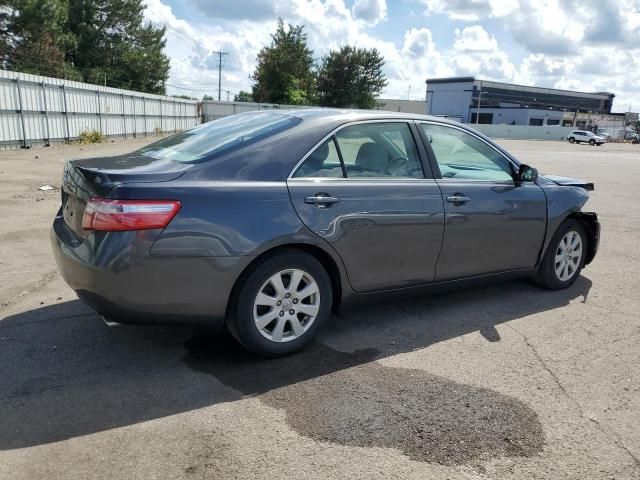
589 221
325 259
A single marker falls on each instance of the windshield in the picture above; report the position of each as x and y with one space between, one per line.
220 136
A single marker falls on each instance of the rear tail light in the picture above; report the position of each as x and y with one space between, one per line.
117 215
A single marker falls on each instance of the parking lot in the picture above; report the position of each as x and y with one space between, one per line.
503 381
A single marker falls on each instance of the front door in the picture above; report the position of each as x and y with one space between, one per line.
491 224
364 191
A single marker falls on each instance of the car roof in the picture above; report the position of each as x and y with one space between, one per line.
345 115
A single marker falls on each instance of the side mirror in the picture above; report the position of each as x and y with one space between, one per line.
526 174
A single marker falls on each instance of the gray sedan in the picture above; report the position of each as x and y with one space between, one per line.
267 221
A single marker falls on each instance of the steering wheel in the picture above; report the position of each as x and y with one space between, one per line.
399 166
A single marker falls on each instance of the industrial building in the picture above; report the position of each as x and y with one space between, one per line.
480 101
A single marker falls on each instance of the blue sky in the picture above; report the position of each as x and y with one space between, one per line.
587 46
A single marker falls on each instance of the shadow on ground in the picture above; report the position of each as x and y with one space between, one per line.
65 374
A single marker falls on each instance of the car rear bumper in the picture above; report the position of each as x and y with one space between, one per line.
114 274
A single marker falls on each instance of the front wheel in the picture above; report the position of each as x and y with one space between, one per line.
572 140
281 304
564 258
592 142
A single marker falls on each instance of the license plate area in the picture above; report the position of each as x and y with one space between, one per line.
72 212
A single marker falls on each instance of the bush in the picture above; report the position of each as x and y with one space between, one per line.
91 136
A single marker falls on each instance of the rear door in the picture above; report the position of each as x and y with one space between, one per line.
364 190
491 224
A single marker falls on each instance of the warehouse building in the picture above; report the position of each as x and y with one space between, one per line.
469 100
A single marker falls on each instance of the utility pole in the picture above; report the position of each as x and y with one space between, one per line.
220 54
479 100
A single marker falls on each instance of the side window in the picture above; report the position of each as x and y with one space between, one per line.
463 156
324 162
379 150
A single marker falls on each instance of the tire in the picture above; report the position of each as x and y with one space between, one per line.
550 274
281 308
592 142
572 140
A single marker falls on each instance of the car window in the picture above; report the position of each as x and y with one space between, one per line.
379 150
219 136
460 155
323 162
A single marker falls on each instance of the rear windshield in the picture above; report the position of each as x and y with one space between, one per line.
220 136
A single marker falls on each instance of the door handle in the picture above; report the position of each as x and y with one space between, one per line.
457 199
321 200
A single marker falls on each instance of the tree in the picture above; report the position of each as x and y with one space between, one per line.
206 97
32 36
97 41
351 77
284 73
243 96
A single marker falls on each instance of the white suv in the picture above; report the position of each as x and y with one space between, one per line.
591 138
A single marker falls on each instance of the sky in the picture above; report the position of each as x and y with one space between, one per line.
583 45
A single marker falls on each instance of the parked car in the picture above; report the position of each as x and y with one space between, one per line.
578 136
268 221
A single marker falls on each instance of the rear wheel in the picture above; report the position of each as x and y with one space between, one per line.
564 258
281 304
572 140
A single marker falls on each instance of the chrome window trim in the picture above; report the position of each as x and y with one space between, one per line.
514 165
360 180
406 121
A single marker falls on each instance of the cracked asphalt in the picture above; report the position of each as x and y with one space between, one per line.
504 381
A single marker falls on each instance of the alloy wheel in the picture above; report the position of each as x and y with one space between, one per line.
568 256
286 305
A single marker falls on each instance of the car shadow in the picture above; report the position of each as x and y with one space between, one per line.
65 374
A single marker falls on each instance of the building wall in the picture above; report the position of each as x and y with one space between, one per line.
451 99
36 110
518 116
592 120
458 98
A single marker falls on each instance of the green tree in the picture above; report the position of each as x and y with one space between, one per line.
207 97
243 96
113 40
285 68
33 38
97 41
351 77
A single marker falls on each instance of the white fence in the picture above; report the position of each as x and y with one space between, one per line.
37 110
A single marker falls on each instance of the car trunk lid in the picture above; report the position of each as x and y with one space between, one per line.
96 177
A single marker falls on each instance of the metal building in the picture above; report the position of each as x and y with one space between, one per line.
480 101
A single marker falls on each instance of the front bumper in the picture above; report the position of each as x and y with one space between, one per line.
114 274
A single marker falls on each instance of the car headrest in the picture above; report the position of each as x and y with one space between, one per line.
319 155
372 156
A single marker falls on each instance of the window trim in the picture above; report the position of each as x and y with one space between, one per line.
427 171
434 161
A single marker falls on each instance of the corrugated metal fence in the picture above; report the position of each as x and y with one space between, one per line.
37 110
212 110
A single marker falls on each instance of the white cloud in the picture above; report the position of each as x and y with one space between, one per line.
370 12
474 39
470 10
559 42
